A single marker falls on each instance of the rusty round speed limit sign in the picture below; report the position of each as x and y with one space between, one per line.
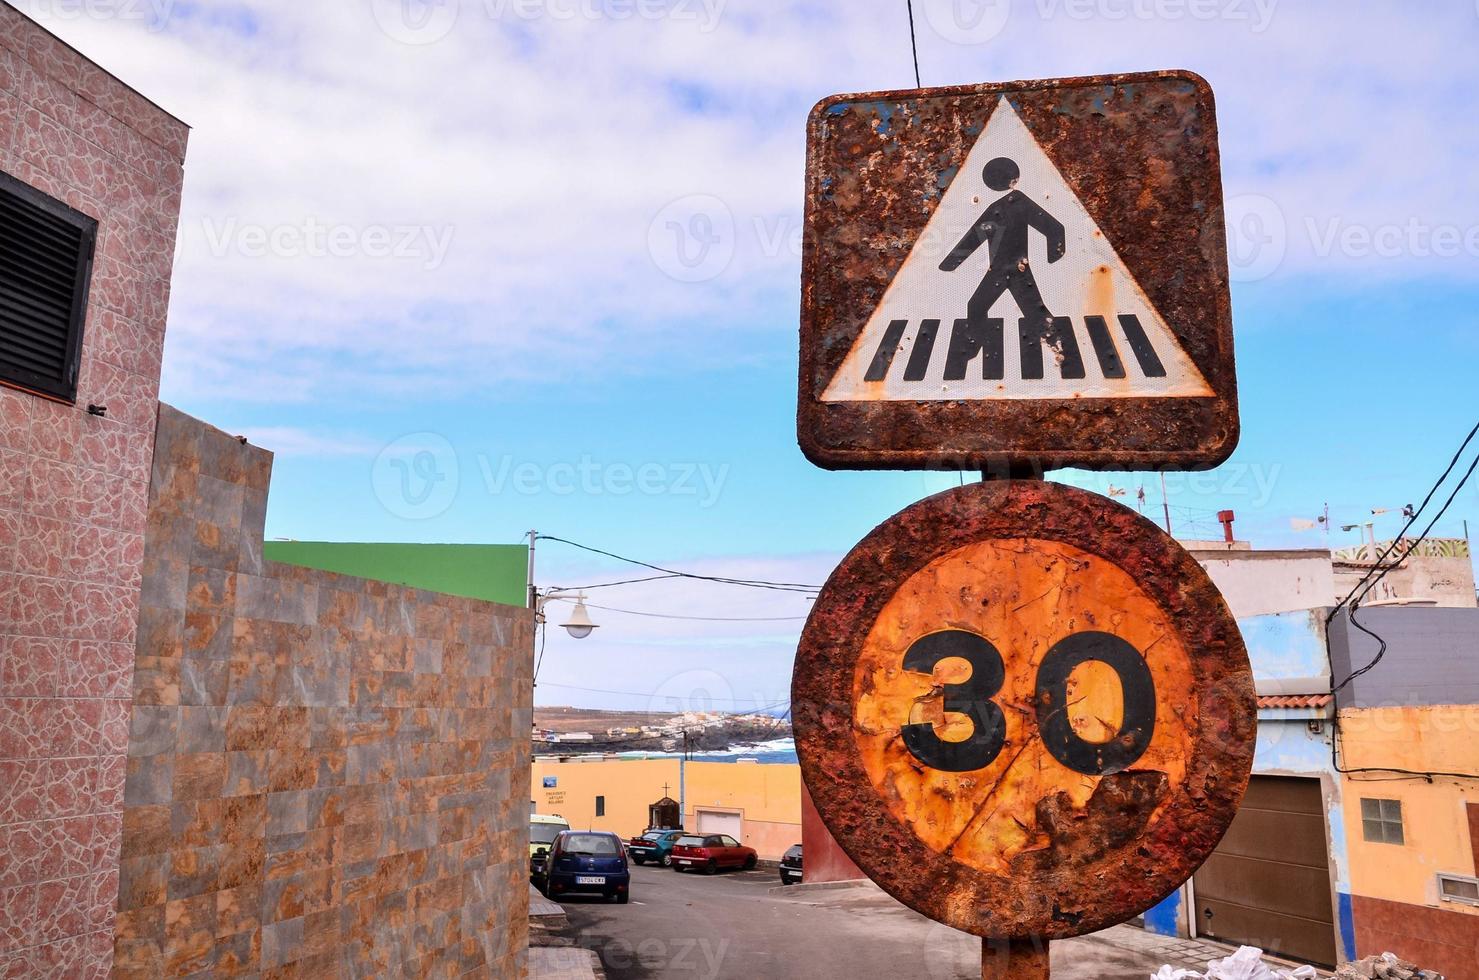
1024 710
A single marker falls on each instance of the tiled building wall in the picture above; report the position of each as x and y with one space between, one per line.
73 490
327 776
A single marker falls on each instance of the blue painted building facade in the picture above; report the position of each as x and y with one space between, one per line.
1290 666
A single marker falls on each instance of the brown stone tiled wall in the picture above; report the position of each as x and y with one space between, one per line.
327 776
73 491
1433 938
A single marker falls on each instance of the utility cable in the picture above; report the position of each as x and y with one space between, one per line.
539 661
914 45
696 619
1377 565
673 573
1380 570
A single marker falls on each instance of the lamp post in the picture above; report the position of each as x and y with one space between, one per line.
1370 528
578 624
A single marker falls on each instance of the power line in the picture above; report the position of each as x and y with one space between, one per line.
607 585
1410 521
698 619
539 661
673 573
1353 600
914 45
1382 650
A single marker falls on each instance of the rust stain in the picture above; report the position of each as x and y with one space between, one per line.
1024 846
981 588
1138 150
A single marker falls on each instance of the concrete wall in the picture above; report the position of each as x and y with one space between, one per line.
766 796
1444 581
73 491
1256 583
326 775
1396 887
1287 651
823 858
1432 656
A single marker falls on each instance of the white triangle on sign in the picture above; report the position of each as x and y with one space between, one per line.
1010 231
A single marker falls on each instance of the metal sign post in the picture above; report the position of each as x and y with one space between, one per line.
1025 712
1014 960
1021 708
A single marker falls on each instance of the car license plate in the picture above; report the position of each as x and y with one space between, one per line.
590 880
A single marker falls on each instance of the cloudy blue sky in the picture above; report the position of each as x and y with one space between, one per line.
475 266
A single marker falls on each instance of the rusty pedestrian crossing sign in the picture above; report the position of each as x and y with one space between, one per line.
1032 273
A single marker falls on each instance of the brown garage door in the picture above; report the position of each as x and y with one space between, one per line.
1268 882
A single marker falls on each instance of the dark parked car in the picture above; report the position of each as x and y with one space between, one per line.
791 865
710 852
655 846
588 861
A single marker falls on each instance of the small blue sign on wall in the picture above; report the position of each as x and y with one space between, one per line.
550 782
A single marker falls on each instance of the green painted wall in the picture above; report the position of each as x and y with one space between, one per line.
494 572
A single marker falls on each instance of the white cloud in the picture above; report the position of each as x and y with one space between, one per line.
541 148
661 664
284 440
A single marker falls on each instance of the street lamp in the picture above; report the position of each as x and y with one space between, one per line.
1370 528
579 624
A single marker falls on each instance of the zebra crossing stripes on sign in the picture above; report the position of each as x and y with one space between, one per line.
1018 273
1011 244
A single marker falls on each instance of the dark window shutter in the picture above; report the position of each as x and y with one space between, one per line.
46 251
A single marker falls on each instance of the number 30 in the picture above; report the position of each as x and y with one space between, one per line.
973 698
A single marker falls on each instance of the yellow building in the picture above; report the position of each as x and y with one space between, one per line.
758 804
1413 841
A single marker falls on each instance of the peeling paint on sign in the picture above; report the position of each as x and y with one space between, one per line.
1025 272
1025 597
1024 710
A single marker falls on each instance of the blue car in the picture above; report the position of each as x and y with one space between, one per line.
655 846
588 862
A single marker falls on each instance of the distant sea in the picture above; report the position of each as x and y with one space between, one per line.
779 750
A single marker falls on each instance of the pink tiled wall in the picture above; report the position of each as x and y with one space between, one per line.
73 501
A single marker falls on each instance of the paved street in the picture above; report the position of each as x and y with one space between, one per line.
731 926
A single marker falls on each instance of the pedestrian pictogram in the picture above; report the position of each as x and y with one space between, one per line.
1010 244
1024 710
1026 273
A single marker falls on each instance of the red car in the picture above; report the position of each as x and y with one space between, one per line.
710 852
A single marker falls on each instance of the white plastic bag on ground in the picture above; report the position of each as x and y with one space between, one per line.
1246 964
1175 973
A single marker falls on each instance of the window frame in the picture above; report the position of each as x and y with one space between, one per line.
64 390
600 806
1378 813
1444 876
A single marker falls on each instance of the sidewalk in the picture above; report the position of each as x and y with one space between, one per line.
1073 959
553 954
561 963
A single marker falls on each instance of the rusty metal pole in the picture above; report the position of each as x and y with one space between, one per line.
1016 959
1030 472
